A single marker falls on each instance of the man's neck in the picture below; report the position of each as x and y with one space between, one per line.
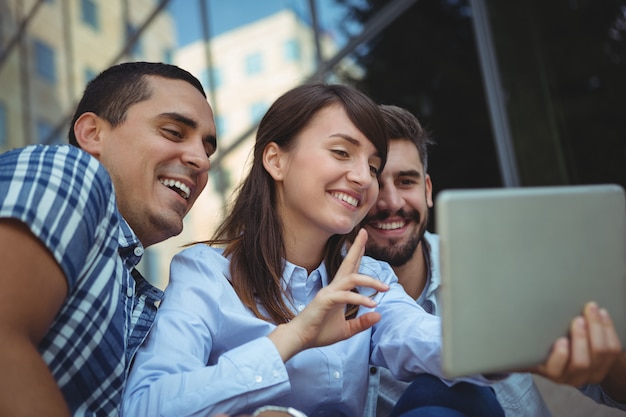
413 274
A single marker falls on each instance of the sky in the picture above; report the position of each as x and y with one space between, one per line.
229 14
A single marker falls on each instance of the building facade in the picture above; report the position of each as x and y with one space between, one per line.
243 71
50 49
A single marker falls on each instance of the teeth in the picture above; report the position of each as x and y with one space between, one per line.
344 197
177 186
389 226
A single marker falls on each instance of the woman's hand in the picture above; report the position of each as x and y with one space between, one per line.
323 321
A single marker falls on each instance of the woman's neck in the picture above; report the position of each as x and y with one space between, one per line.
304 250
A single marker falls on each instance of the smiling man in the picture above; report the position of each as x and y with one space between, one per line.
396 227
74 222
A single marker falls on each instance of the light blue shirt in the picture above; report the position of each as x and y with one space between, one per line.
596 393
518 395
207 353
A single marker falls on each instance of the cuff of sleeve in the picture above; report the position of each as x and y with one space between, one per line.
596 393
259 364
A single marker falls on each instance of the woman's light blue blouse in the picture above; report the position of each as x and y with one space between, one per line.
208 354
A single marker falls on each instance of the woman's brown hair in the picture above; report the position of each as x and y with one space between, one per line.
252 231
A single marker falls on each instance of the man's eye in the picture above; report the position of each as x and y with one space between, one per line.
175 133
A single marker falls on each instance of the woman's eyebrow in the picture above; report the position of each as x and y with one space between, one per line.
347 138
350 139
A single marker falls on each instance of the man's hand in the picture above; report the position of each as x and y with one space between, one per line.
590 352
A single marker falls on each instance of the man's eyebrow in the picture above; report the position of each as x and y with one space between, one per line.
409 173
180 118
211 140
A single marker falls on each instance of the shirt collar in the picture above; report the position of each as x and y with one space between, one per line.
433 281
130 247
291 269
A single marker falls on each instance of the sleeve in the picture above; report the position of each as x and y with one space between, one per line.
407 339
596 393
63 195
519 396
202 356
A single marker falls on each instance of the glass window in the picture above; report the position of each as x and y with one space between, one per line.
204 79
216 81
257 110
89 13
45 130
89 74
44 61
168 56
220 125
291 50
218 78
254 63
221 179
130 32
562 66
3 125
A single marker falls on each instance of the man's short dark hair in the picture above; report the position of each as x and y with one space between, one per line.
402 124
115 89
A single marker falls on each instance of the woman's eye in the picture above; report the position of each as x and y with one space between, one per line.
341 153
373 170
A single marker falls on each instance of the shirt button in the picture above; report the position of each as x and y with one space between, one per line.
336 375
258 379
138 251
373 370
275 373
129 292
300 307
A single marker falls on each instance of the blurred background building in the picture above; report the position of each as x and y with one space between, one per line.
51 48
514 93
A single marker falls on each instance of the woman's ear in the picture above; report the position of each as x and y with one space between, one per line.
273 161
88 131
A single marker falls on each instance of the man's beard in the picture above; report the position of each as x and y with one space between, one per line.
398 255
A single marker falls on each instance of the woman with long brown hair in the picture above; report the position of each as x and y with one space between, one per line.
283 313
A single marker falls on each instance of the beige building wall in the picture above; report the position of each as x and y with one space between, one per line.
78 49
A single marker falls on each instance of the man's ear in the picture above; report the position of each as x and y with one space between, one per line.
273 161
429 191
88 131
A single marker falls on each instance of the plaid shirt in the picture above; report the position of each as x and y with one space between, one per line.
67 199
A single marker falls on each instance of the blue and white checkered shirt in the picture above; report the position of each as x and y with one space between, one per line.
66 198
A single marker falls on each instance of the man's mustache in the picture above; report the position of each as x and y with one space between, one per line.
385 214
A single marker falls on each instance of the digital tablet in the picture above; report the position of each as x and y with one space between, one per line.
518 264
